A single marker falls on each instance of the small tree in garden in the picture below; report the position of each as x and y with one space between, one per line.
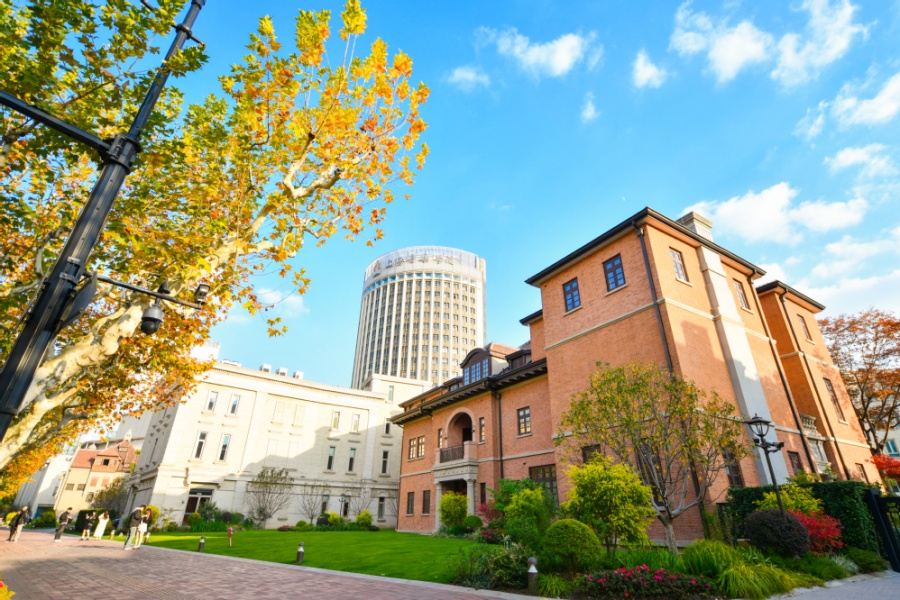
612 499
673 433
453 509
113 497
310 499
268 493
527 516
360 502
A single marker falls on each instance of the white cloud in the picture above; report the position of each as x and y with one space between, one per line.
812 124
847 254
848 109
773 271
645 73
870 158
468 78
290 305
588 110
854 294
771 216
552 59
829 35
728 49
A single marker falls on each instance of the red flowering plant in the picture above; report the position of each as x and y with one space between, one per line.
888 466
642 582
824 531
489 511
5 592
491 535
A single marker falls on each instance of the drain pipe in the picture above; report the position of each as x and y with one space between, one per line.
797 421
498 396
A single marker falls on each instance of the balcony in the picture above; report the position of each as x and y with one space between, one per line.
809 425
456 462
452 454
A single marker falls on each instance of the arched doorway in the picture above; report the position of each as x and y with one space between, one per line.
459 430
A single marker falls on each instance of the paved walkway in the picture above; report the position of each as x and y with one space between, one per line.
36 568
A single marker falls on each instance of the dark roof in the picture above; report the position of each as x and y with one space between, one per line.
494 382
774 285
628 223
532 317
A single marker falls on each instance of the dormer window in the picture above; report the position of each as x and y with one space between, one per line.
475 371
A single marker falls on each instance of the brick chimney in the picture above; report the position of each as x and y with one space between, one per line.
698 224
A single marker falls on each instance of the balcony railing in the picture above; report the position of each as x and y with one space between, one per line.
451 454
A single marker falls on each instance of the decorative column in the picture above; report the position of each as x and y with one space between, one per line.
439 488
470 485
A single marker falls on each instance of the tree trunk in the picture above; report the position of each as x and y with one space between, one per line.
670 536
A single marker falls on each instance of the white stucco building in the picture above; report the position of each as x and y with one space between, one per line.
336 443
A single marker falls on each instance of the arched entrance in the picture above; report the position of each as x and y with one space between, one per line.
459 430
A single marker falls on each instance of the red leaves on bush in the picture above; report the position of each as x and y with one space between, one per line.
824 532
889 466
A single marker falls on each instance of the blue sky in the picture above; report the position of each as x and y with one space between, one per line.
550 122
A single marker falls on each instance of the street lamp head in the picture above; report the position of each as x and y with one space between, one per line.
152 319
201 292
759 426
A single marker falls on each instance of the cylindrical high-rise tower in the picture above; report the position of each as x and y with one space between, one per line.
423 310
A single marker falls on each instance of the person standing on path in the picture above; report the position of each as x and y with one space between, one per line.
88 525
17 523
101 525
133 522
64 520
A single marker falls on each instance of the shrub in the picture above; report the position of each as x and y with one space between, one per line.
209 511
10 516
453 509
655 558
302 523
573 542
554 586
824 532
472 523
45 520
285 528
509 567
845 563
227 516
236 517
490 535
741 580
527 517
868 562
611 499
507 488
794 498
334 519
709 558
644 583
471 567
202 526
767 530
821 567
5 592
364 519
194 518
172 526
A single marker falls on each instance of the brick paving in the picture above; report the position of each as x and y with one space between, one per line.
36 568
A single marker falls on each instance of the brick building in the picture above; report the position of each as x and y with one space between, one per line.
653 290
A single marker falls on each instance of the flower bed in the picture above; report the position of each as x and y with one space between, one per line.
642 582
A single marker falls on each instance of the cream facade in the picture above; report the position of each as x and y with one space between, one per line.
336 443
423 310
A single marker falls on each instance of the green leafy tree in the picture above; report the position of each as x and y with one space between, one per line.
114 497
454 508
674 434
612 499
293 149
527 517
507 488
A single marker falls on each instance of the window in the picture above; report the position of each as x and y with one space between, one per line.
354 425
325 499
89 497
678 263
329 466
421 446
410 503
201 442
481 429
742 297
105 462
350 463
615 276
796 463
524 420
834 399
70 487
546 476
733 470
805 328
589 452
385 461
223 448
235 400
387 426
335 419
891 448
80 487
573 298
482 492
412 449
211 401
426 502
861 471
381 506
440 438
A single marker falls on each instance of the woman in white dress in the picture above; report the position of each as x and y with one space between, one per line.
101 525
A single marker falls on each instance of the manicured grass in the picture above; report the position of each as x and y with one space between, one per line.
386 552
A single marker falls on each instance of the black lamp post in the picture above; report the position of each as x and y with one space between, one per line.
60 299
760 427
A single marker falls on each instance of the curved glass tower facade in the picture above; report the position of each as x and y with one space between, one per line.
423 310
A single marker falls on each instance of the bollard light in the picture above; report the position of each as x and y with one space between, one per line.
202 543
300 552
532 575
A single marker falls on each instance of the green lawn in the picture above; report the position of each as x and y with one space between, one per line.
386 552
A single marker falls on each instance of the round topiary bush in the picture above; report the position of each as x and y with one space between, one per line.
573 542
472 522
768 530
364 519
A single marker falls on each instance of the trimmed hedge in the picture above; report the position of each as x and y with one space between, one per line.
843 500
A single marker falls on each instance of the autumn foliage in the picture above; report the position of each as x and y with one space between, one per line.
824 531
886 465
297 146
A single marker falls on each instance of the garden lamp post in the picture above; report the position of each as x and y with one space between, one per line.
760 427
